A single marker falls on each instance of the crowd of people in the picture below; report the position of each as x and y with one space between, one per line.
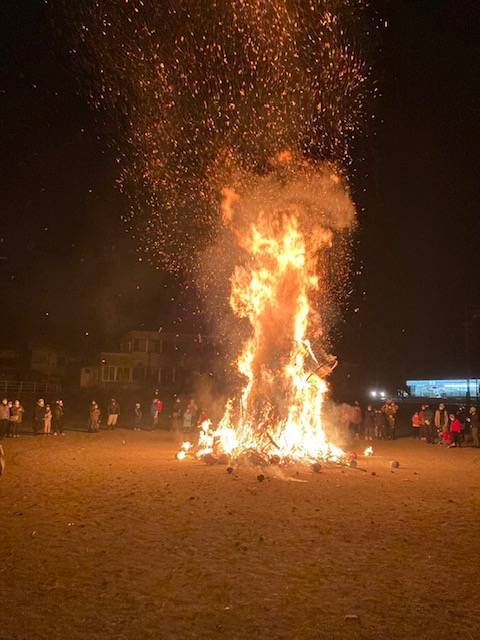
47 419
184 416
438 426
451 429
372 424
11 417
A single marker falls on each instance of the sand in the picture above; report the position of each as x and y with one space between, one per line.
108 536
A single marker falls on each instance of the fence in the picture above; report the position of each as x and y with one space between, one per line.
11 388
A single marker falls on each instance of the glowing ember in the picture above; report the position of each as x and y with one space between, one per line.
368 452
186 446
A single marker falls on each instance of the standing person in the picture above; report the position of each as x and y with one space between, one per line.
416 425
156 409
4 418
192 405
16 417
187 422
474 423
39 417
137 417
379 424
58 413
429 425
369 423
462 415
113 413
456 428
47 421
356 426
94 417
9 426
440 421
421 419
177 415
390 409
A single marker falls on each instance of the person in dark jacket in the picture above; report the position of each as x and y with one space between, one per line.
474 423
429 424
369 423
39 417
356 421
4 418
113 413
379 419
58 413
137 417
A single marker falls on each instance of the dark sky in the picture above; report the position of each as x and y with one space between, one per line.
69 268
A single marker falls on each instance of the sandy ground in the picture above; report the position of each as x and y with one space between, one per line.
108 536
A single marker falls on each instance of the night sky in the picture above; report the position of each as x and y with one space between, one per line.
68 267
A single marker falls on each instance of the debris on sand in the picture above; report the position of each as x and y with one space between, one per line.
352 617
316 467
394 464
260 477
230 470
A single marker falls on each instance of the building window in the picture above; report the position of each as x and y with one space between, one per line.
166 376
154 346
109 374
140 345
139 373
123 374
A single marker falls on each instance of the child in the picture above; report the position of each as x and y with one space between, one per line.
416 425
445 438
47 420
456 428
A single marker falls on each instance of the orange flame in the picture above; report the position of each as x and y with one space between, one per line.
278 415
281 405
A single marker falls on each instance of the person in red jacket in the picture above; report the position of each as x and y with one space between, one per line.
417 424
456 429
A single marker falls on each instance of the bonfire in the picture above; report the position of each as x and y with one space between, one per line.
278 414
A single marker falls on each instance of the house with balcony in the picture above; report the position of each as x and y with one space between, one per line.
150 358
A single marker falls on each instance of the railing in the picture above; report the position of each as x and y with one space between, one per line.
12 388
